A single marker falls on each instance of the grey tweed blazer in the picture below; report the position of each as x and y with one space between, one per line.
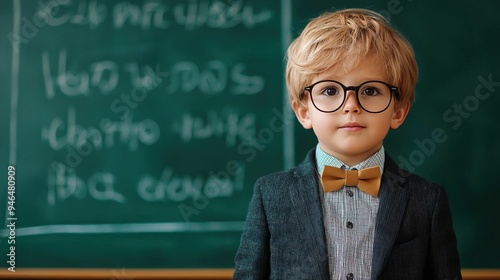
284 236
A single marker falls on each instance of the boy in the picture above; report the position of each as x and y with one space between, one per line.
348 211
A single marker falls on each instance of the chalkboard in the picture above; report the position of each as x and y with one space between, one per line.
136 129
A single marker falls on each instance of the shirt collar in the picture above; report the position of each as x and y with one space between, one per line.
322 159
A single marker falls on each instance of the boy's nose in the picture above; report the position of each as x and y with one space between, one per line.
351 103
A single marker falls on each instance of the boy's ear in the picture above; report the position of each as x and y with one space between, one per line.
302 114
399 116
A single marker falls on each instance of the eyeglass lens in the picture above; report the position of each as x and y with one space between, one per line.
330 95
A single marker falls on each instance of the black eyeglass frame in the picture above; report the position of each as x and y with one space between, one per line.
393 89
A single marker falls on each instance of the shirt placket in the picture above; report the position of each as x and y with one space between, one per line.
350 225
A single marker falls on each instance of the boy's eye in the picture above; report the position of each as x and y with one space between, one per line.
329 91
370 91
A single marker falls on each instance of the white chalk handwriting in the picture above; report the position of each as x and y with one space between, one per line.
173 187
189 15
71 79
228 124
64 183
62 133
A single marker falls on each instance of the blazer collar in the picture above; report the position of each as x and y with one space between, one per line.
393 199
305 198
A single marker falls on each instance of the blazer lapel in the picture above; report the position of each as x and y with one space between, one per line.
305 198
393 199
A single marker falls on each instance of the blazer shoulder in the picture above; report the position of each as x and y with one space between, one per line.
281 179
305 172
410 181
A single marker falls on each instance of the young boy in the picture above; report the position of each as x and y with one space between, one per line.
347 211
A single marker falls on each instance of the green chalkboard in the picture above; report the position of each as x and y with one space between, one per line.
138 128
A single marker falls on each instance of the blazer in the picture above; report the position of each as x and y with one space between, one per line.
284 235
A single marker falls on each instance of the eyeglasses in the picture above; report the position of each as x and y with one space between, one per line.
373 96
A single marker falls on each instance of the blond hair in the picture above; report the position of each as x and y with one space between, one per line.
340 40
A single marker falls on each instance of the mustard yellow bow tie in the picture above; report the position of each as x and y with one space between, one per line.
367 179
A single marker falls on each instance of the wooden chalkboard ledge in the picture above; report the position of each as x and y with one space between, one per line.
119 274
171 274
480 274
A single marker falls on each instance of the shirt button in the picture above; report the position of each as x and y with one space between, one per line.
350 193
350 225
350 276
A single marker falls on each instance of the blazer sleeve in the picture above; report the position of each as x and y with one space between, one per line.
443 261
252 258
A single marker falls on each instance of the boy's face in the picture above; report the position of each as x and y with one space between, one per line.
351 134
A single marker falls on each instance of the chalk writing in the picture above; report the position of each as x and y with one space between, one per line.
64 184
217 14
60 12
227 123
190 15
102 74
60 133
213 78
150 14
102 77
172 187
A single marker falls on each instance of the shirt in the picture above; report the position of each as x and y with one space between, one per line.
349 217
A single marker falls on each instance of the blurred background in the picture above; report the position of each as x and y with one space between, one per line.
137 129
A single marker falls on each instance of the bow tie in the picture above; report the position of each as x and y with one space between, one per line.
367 179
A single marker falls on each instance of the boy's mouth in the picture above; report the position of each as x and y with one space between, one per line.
352 126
